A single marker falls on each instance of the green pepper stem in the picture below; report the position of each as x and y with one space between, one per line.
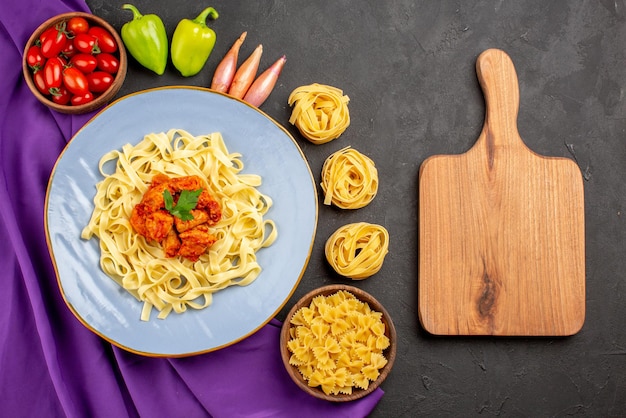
208 12
136 14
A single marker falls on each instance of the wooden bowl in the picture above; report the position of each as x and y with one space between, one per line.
100 100
389 352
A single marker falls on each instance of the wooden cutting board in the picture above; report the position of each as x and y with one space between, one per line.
501 229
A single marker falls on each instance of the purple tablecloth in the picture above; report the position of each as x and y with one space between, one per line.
50 364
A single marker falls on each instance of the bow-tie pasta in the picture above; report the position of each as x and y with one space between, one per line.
337 343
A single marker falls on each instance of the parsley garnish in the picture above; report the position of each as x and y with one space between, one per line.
187 201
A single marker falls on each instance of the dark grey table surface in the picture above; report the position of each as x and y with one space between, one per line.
408 68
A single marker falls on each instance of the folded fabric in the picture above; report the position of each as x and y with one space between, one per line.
51 365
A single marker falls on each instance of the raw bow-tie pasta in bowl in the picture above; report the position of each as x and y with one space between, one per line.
338 343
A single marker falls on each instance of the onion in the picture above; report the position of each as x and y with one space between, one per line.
225 71
260 90
245 74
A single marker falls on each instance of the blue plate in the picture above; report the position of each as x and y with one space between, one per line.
267 149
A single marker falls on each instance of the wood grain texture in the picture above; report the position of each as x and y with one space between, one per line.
501 229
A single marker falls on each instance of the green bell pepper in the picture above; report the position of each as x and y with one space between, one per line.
146 40
193 42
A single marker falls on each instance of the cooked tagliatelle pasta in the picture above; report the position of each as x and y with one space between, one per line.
349 179
139 265
357 250
320 112
337 343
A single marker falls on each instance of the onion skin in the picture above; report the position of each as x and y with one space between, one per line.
260 90
244 77
225 71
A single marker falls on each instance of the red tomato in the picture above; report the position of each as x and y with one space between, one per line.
52 42
62 96
53 72
86 43
108 63
106 42
68 49
99 81
77 25
79 100
75 81
34 59
86 63
47 33
40 83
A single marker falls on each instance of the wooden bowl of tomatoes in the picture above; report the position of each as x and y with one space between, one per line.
74 62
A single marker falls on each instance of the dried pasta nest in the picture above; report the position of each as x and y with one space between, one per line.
320 112
349 179
357 250
338 343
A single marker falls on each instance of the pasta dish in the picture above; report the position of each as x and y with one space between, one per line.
139 264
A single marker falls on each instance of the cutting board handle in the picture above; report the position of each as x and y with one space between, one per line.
498 80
